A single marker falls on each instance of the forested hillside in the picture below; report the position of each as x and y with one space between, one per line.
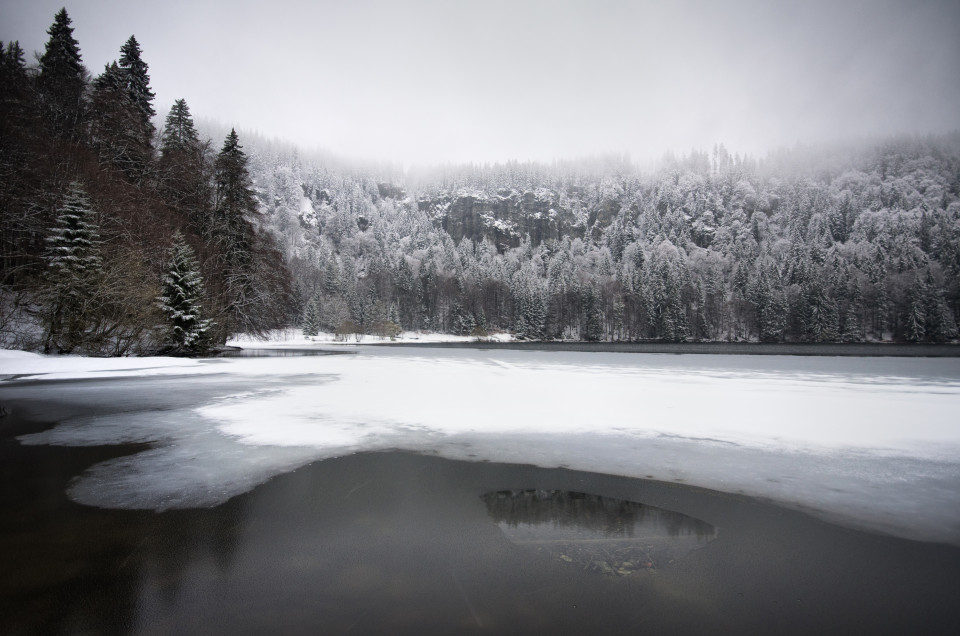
852 243
116 237
121 236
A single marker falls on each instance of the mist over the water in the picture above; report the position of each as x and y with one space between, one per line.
426 82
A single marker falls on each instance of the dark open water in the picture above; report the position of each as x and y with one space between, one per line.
396 543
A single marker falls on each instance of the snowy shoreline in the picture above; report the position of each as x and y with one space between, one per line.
861 350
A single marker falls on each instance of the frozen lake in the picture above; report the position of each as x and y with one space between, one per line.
873 443
869 444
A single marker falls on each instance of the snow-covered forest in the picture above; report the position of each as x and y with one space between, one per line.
846 244
854 242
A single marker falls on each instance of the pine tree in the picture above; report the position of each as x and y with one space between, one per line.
255 280
73 268
592 319
916 323
234 201
13 71
187 330
310 321
17 131
62 78
940 323
463 321
819 316
771 305
138 84
179 133
113 124
121 115
851 329
882 307
183 169
521 330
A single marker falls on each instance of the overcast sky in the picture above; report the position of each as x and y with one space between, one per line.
484 80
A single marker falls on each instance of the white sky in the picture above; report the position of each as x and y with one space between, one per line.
449 81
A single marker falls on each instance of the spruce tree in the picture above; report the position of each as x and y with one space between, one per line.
187 330
73 269
915 329
182 168
819 316
120 116
521 330
138 84
114 126
62 78
593 319
940 323
851 329
234 202
179 134
13 71
18 230
233 232
311 318
770 303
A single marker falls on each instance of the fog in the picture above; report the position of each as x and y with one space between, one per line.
429 82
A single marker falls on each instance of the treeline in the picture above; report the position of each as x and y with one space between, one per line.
115 237
850 244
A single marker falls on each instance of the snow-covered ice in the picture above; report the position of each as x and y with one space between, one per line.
15 364
294 338
870 442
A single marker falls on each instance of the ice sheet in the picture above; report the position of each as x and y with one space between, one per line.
869 442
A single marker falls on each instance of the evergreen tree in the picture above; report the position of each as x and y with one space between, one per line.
310 321
256 283
187 330
17 230
819 317
182 168
940 324
771 305
73 269
530 311
179 133
13 73
129 98
915 328
619 314
234 201
882 306
113 124
463 321
592 316
851 329
62 78
138 85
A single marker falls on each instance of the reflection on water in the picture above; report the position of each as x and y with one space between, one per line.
600 534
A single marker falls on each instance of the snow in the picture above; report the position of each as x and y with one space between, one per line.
869 442
21 364
294 338
307 213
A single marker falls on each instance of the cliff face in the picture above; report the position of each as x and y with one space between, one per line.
504 218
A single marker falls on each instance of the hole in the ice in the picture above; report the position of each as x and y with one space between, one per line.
599 534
